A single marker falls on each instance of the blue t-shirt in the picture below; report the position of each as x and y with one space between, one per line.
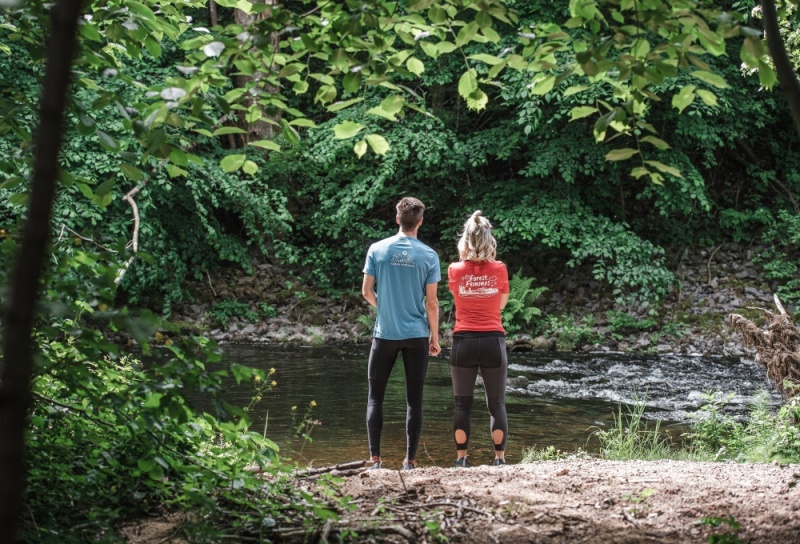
402 266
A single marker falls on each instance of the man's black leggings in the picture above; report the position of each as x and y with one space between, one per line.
381 361
470 353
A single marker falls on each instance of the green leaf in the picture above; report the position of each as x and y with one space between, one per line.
766 75
665 168
291 134
232 162
415 66
621 154
300 87
711 79
351 82
360 148
107 141
477 100
575 89
346 129
580 112
249 167
468 83
657 142
132 173
684 98
486 59
153 401
378 143
222 131
542 85
708 97
336 106
467 33
266 144
445 47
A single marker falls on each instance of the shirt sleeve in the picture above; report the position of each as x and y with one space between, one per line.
434 273
502 276
369 264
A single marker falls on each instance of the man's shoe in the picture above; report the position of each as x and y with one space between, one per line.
497 462
461 462
408 466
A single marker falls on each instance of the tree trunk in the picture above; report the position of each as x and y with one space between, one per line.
783 66
17 365
261 128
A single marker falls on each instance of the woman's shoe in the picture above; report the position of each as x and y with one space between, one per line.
408 466
461 462
497 462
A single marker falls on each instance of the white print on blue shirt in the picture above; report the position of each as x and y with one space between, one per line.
404 258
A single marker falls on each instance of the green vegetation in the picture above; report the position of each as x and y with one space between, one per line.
520 309
177 141
766 436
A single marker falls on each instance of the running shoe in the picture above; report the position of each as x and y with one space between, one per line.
408 466
497 462
375 466
461 462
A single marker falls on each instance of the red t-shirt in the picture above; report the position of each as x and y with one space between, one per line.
476 288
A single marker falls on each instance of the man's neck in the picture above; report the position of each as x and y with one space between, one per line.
409 233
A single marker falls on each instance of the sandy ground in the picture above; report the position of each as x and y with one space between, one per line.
583 501
570 502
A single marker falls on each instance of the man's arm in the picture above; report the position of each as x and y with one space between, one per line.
368 291
432 309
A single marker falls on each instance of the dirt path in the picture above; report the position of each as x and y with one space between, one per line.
582 501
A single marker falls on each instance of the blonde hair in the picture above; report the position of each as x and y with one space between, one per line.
476 242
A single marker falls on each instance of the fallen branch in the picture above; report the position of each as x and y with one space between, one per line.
322 470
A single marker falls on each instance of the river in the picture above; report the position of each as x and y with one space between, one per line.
567 397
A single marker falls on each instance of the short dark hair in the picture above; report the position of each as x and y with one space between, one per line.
410 211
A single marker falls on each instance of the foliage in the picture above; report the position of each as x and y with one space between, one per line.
780 259
550 453
570 334
223 311
765 437
631 438
727 537
521 296
622 323
115 436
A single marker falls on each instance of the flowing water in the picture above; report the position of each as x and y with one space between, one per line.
561 399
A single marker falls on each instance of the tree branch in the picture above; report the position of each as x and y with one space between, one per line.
783 66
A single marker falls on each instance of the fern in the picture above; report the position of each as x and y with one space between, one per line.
520 309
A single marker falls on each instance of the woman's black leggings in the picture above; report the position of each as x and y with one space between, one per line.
487 354
381 361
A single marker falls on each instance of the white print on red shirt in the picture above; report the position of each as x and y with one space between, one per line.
477 286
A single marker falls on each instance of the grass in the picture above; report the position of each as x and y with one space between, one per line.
767 436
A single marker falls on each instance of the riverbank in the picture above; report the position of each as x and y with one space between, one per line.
567 501
578 313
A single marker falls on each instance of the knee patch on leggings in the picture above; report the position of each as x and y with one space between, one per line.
497 409
463 407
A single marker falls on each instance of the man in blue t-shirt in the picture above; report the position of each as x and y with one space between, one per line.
400 278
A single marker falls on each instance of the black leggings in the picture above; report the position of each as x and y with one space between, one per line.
381 361
487 354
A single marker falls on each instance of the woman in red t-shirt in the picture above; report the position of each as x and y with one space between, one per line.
479 285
